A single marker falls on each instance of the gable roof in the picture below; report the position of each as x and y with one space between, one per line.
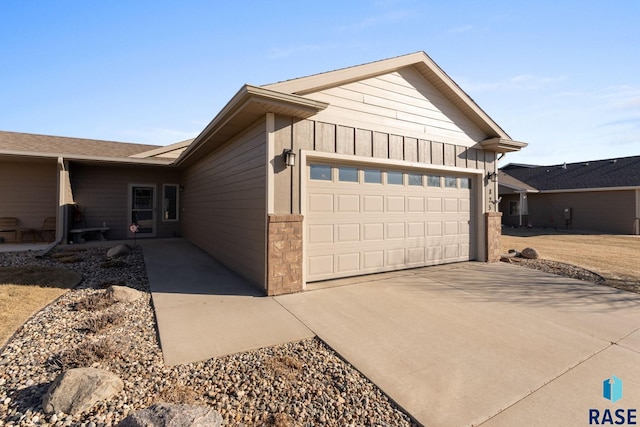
608 173
48 146
498 140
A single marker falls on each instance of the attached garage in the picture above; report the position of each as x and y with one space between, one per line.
379 167
363 219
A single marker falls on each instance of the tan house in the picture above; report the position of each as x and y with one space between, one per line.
383 166
600 195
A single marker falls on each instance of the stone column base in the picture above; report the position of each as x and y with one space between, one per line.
493 226
284 254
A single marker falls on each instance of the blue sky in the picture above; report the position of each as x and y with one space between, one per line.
563 76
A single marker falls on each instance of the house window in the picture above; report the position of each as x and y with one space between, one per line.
465 183
433 181
394 178
321 172
170 202
373 176
346 174
514 208
450 182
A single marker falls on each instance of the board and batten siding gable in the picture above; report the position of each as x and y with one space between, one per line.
28 191
402 103
224 203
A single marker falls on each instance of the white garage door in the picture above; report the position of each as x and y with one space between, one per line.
362 219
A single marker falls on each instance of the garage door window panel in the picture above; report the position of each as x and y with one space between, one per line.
415 179
434 181
347 174
373 176
320 172
394 178
450 182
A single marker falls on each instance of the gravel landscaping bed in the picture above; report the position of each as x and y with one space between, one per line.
296 384
574 272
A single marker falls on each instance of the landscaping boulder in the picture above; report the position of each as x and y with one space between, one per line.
77 390
123 293
530 253
172 415
118 251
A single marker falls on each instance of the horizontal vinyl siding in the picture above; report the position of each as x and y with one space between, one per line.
104 192
604 211
224 203
402 103
28 191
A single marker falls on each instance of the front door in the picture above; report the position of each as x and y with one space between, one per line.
142 202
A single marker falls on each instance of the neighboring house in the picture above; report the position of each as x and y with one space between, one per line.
601 195
372 168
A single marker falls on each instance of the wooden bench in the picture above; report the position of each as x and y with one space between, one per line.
9 225
79 233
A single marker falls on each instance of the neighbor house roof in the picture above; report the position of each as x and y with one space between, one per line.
47 146
498 140
598 174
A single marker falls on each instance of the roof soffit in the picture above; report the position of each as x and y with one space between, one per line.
246 107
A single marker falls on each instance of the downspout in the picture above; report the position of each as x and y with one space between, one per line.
61 216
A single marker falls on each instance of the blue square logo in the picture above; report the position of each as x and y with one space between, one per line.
612 389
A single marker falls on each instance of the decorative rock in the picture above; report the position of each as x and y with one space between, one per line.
530 253
170 415
118 251
77 390
123 293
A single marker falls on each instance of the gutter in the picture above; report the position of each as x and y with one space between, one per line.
123 160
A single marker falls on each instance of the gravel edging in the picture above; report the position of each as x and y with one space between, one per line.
296 384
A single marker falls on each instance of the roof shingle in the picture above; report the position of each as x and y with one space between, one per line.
622 172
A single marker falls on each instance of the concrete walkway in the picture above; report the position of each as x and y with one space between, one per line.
457 345
204 310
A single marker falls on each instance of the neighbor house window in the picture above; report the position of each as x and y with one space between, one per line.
450 182
321 172
170 202
394 178
433 180
514 208
373 176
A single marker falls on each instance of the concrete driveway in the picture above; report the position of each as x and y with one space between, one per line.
457 345
483 344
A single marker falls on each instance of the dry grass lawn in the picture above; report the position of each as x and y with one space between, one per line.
615 257
25 290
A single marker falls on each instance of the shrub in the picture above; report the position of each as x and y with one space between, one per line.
95 302
99 322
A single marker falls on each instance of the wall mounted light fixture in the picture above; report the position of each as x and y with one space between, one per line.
289 157
492 176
